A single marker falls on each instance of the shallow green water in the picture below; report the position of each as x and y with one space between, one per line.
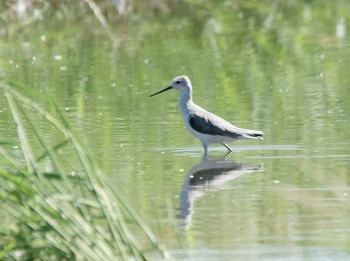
283 198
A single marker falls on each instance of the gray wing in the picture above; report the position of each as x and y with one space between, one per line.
214 125
204 125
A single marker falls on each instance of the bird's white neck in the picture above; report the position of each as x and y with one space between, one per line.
185 102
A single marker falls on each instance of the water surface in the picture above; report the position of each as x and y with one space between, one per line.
283 198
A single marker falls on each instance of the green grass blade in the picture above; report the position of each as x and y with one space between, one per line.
57 206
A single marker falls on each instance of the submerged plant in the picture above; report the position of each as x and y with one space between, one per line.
69 212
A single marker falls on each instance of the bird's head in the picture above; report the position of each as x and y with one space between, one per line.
181 83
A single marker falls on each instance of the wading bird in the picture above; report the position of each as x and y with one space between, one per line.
207 127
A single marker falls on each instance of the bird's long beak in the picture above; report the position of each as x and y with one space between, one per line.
164 90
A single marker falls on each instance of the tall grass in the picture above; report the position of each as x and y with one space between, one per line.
57 215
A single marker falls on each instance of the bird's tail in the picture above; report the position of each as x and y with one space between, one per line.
253 134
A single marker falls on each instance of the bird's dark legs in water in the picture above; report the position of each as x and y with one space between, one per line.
227 147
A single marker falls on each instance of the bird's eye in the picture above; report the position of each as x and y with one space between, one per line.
177 82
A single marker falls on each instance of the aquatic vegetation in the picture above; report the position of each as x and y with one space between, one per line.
54 210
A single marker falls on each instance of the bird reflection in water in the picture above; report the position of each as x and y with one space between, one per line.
209 175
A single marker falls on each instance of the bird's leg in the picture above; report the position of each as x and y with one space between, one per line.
227 147
205 146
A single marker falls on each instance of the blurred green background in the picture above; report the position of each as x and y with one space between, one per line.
278 66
